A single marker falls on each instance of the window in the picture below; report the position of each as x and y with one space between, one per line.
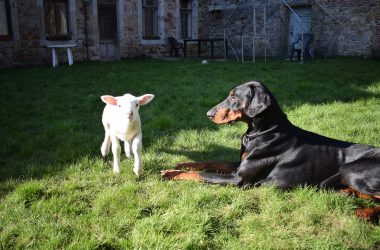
5 23
150 19
107 20
186 19
56 19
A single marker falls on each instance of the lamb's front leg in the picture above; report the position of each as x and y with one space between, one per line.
116 154
127 148
136 149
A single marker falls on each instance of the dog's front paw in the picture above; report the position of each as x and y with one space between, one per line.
171 174
367 213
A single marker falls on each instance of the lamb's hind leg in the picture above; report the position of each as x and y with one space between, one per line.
136 149
105 148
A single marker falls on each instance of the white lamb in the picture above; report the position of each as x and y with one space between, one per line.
121 121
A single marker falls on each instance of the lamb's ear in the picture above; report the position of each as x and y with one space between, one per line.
145 99
109 99
260 100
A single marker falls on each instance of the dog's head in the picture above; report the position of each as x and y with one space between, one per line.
244 102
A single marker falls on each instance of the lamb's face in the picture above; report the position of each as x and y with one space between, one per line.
129 106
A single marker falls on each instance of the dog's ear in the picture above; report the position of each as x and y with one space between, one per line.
260 99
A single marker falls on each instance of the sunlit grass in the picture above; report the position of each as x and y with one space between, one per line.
57 192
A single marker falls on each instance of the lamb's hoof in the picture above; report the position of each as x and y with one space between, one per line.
171 174
138 172
104 152
116 171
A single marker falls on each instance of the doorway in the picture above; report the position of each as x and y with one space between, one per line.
108 35
296 27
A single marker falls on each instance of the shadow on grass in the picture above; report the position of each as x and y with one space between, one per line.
215 153
53 116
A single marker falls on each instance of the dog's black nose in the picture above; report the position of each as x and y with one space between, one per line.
210 114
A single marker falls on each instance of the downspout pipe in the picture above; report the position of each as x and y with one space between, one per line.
85 2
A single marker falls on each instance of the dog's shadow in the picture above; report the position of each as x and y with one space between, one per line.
215 153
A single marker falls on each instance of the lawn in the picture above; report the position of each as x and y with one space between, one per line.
56 191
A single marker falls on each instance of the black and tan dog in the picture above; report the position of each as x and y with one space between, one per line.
274 151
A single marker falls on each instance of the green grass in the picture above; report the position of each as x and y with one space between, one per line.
56 192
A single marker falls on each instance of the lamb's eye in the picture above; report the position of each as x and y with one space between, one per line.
137 104
119 106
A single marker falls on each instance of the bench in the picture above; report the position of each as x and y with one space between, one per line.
54 55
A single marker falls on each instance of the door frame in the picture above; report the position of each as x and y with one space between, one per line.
306 26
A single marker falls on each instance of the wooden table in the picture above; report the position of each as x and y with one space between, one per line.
199 41
54 55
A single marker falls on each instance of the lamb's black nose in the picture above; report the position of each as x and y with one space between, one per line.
211 114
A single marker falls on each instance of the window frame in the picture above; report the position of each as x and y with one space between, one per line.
57 37
8 37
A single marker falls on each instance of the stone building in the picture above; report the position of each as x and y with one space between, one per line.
114 29
100 29
339 28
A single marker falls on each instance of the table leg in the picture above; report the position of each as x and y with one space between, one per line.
184 48
54 57
199 49
70 56
212 49
226 50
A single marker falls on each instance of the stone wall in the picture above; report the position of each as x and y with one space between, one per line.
28 46
24 49
358 33
359 26
133 47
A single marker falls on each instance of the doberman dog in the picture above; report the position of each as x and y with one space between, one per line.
274 151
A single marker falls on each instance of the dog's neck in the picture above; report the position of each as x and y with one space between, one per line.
268 120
